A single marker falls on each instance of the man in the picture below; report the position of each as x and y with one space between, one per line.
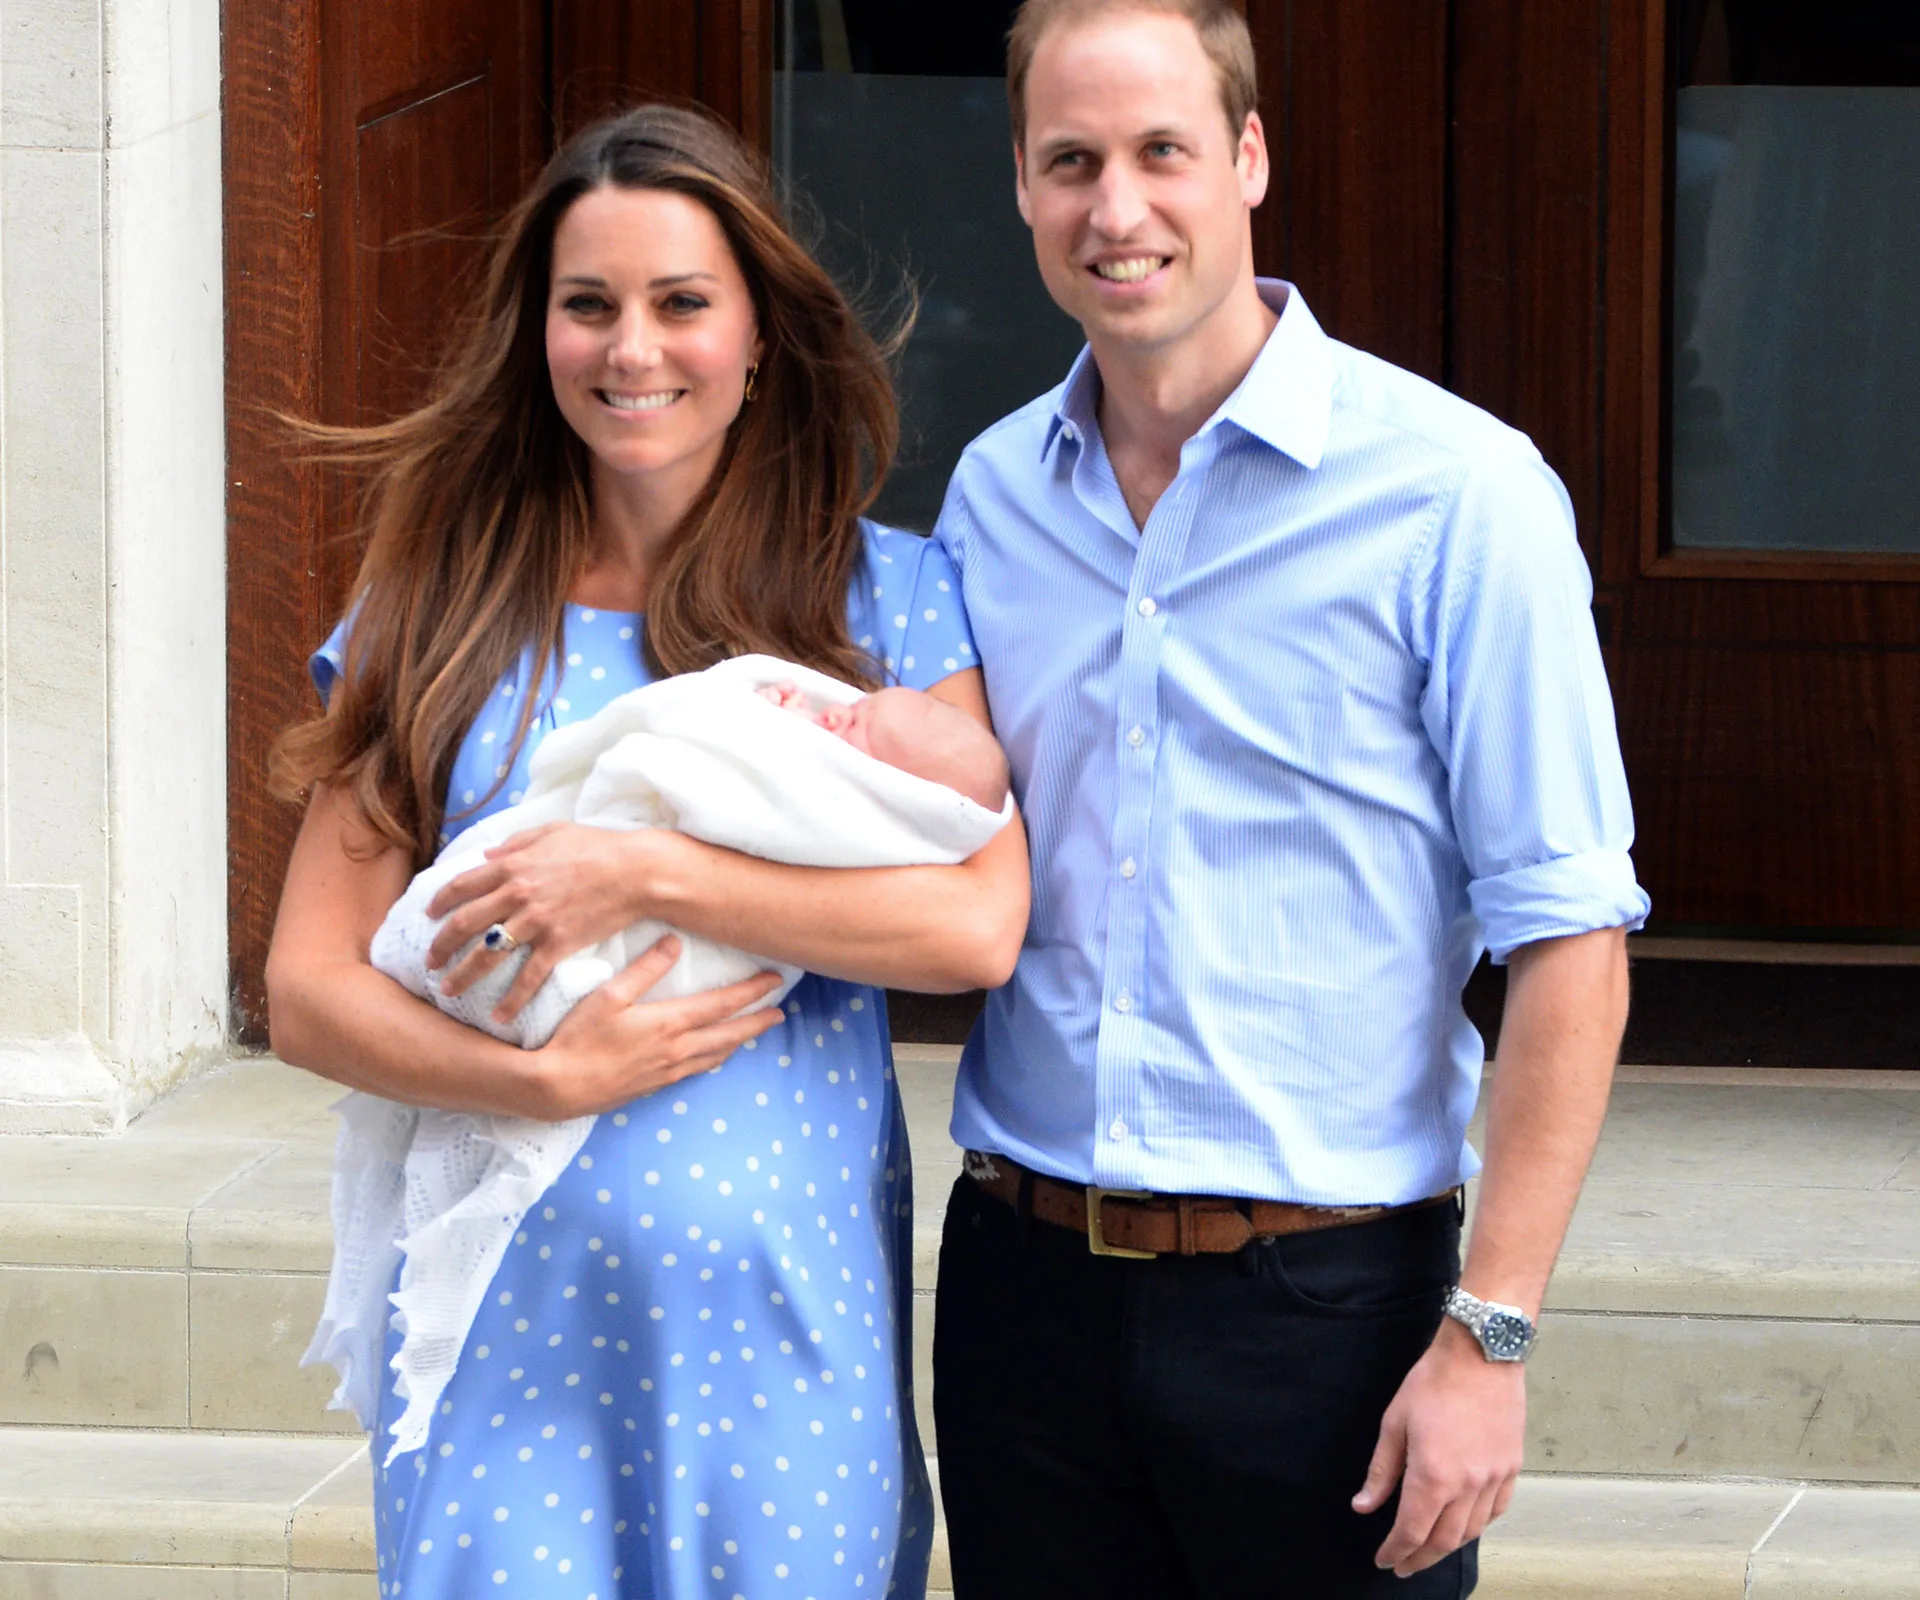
1292 656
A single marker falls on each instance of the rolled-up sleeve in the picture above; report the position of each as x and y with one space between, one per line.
1518 708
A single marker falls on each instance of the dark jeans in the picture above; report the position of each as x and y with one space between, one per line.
1183 1428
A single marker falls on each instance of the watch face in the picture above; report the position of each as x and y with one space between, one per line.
1504 1336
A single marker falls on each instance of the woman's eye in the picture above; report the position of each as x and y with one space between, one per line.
685 304
585 305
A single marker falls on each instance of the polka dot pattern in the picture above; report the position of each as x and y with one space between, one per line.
690 1379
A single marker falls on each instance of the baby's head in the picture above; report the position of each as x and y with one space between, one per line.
916 733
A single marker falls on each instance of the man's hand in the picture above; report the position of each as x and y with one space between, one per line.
1454 1433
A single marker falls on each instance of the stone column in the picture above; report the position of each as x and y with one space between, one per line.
112 558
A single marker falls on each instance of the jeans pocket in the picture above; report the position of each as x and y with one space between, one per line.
1397 1266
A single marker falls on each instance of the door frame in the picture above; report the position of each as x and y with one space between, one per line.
1640 305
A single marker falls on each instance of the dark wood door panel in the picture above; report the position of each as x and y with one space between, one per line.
1354 100
1527 174
606 57
1841 616
435 121
1769 785
270 195
610 54
426 186
400 53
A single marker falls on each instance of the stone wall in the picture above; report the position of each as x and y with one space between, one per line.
112 557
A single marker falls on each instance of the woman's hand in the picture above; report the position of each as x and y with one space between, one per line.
556 890
610 1050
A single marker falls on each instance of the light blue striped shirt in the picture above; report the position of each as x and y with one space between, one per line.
1290 757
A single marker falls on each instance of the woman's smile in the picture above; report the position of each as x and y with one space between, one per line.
650 400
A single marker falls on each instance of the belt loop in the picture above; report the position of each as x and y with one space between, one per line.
1023 1210
1247 1257
1460 1205
1183 1225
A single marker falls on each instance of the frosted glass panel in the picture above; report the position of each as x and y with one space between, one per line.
1796 332
911 173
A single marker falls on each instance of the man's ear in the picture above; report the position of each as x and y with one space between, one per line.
1020 196
1251 160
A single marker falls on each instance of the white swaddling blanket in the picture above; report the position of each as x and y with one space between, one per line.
438 1194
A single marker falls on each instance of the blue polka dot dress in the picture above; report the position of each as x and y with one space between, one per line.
690 1377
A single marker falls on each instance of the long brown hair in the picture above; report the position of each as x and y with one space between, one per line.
479 507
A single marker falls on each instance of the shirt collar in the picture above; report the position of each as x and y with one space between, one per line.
1285 400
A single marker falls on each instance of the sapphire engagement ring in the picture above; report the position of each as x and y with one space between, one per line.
497 938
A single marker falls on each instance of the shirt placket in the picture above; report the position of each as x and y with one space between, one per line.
1127 998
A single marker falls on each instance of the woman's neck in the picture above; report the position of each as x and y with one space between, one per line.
635 516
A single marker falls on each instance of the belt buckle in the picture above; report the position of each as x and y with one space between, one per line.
1096 1238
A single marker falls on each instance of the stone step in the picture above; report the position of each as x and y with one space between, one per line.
194 1515
1740 1294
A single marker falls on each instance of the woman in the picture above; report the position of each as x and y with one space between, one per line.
651 453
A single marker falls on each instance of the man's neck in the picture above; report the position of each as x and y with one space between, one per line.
1153 399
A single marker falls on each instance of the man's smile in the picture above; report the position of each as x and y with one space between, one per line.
1130 269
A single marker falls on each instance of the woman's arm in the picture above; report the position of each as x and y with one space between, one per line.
333 1014
937 929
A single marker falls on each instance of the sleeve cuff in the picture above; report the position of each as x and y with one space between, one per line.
1557 899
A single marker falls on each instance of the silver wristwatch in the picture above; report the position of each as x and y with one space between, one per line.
1505 1333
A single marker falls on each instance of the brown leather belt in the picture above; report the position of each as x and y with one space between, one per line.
1131 1222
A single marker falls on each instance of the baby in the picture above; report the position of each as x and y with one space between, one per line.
912 731
901 779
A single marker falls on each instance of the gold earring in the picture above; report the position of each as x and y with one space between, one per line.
753 372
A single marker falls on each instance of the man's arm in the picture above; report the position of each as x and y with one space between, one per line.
1457 1428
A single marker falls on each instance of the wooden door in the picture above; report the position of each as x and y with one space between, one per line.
1354 98
1769 702
613 53
368 149
1481 191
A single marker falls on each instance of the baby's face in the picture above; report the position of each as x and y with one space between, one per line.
852 723
912 731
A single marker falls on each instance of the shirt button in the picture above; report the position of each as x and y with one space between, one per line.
1116 1129
1127 868
1123 1001
1147 607
1136 737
